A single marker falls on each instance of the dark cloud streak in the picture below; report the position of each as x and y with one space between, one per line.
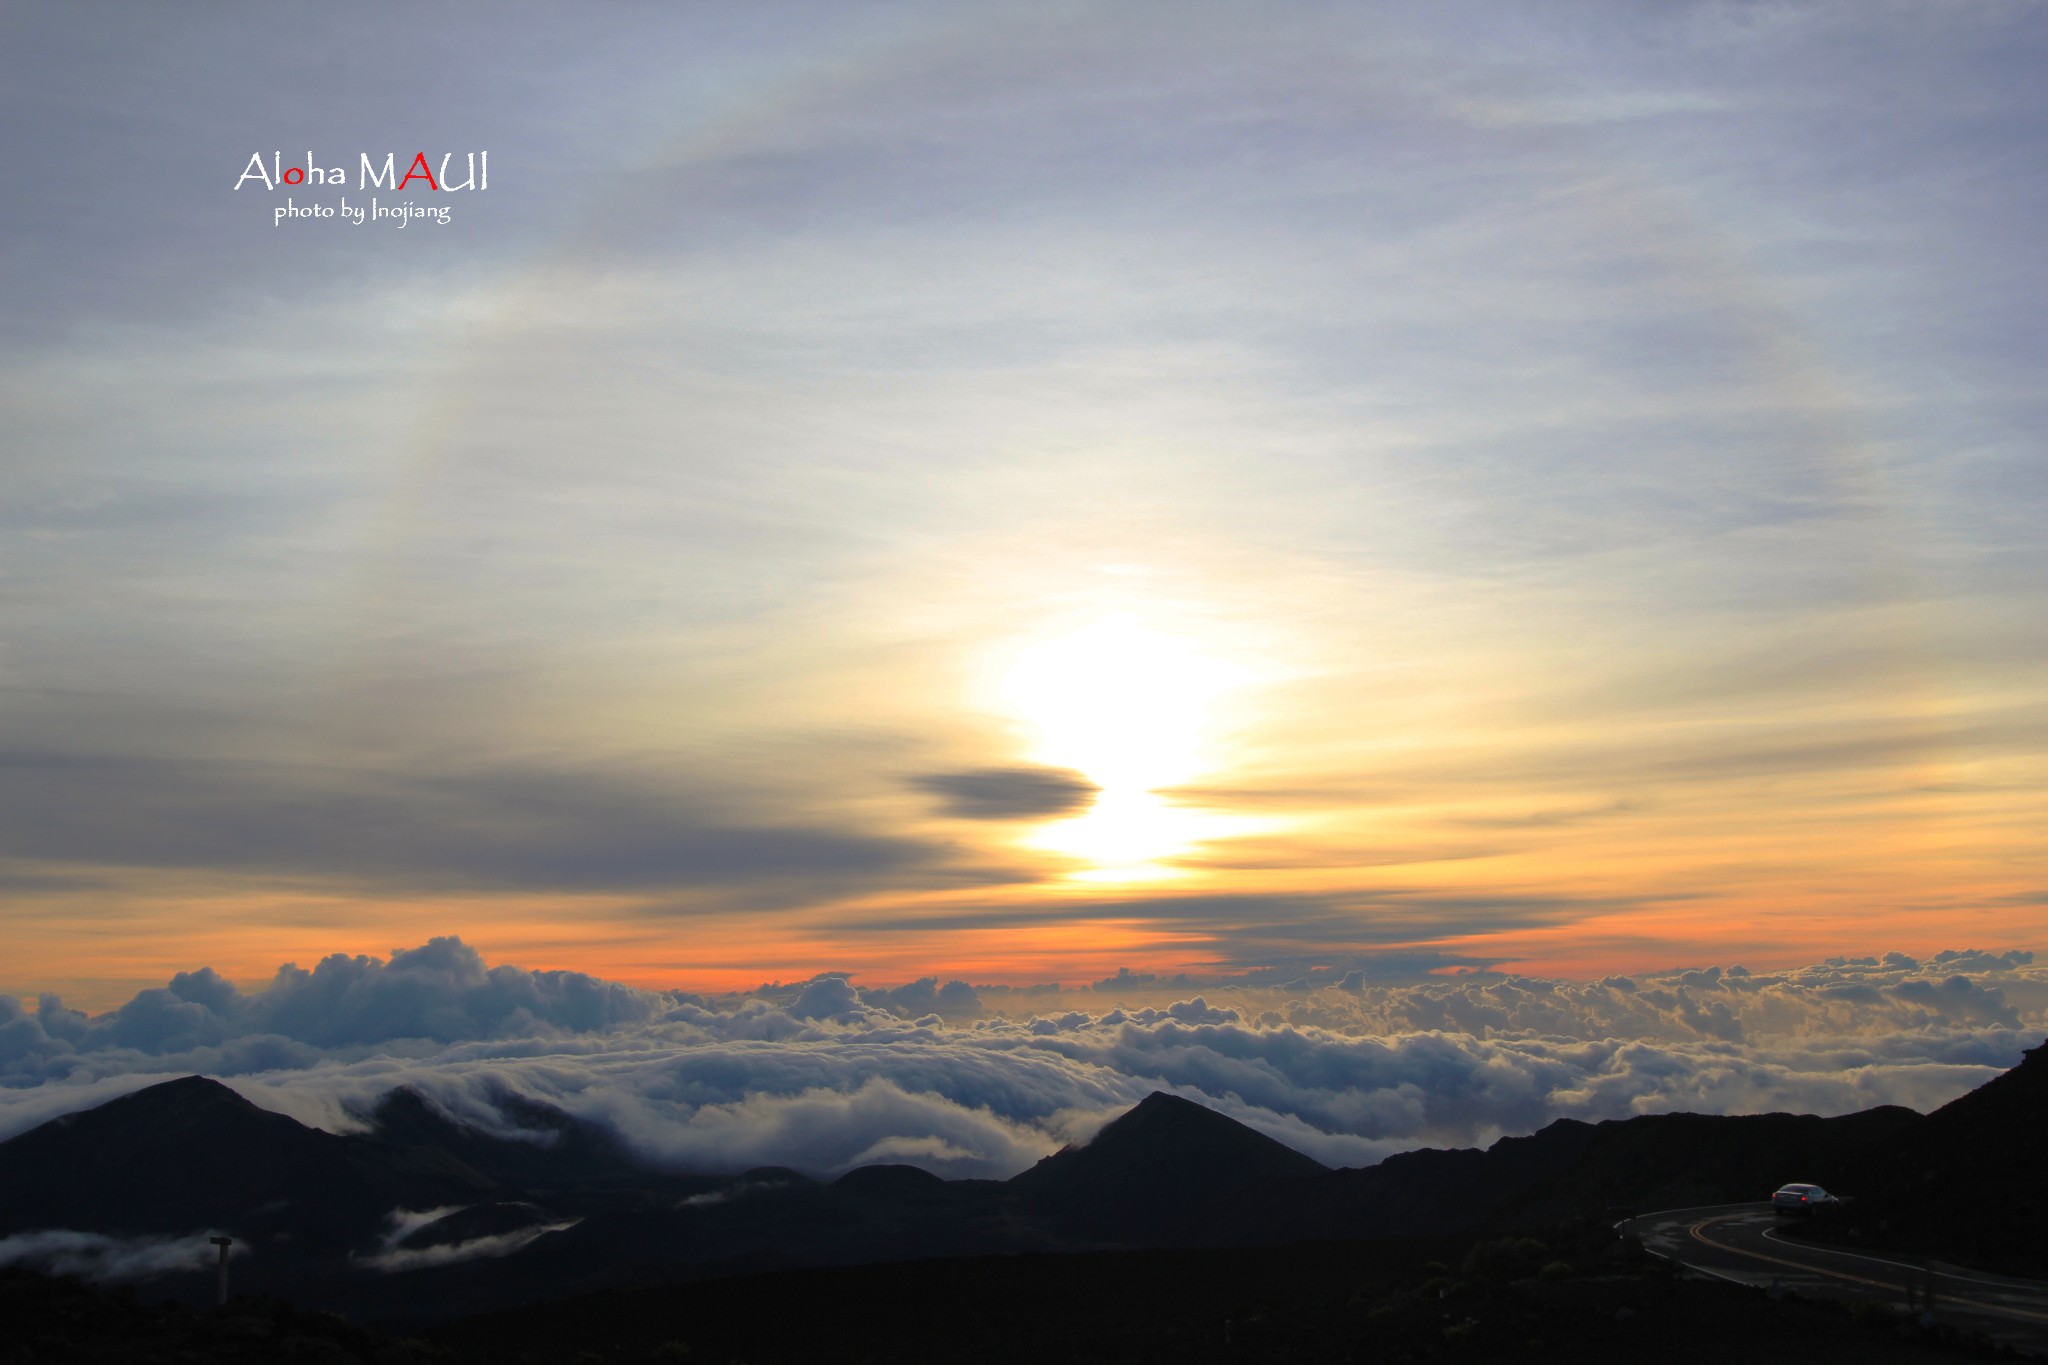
1010 793
498 827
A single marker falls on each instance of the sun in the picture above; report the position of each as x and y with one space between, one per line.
1133 709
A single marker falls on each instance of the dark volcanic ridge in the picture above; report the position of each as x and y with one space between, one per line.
1967 1183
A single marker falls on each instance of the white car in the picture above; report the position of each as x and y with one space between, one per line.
1801 1199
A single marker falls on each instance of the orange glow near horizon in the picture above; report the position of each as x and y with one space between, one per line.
246 936
1434 774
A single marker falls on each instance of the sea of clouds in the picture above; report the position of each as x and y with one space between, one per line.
826 1075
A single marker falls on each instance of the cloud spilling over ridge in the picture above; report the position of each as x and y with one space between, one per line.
826 1075
393 1255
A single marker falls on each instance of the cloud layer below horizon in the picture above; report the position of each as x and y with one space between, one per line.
824 1075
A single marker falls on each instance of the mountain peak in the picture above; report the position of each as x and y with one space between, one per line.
1158 1163
1162 1117
189 1090
192 1153
1163 1124
187 1100
190 1087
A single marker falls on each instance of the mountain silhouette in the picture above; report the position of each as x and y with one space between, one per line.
314 1208
1575 1169
1967 1182
1661 1161
896 1183
552 1148
1157 1174
1424 1192
192 1154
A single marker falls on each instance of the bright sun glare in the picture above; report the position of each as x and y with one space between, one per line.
1130 708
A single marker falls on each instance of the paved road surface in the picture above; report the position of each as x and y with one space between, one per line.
1743 1243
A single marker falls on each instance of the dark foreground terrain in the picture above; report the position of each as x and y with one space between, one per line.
1967 1184
1176 1233
322 1219
1578 1295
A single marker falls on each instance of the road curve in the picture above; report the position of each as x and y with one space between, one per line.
1742 1242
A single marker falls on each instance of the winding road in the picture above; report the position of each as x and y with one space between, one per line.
1744 1243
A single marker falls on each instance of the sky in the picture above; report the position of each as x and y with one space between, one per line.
1252 498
